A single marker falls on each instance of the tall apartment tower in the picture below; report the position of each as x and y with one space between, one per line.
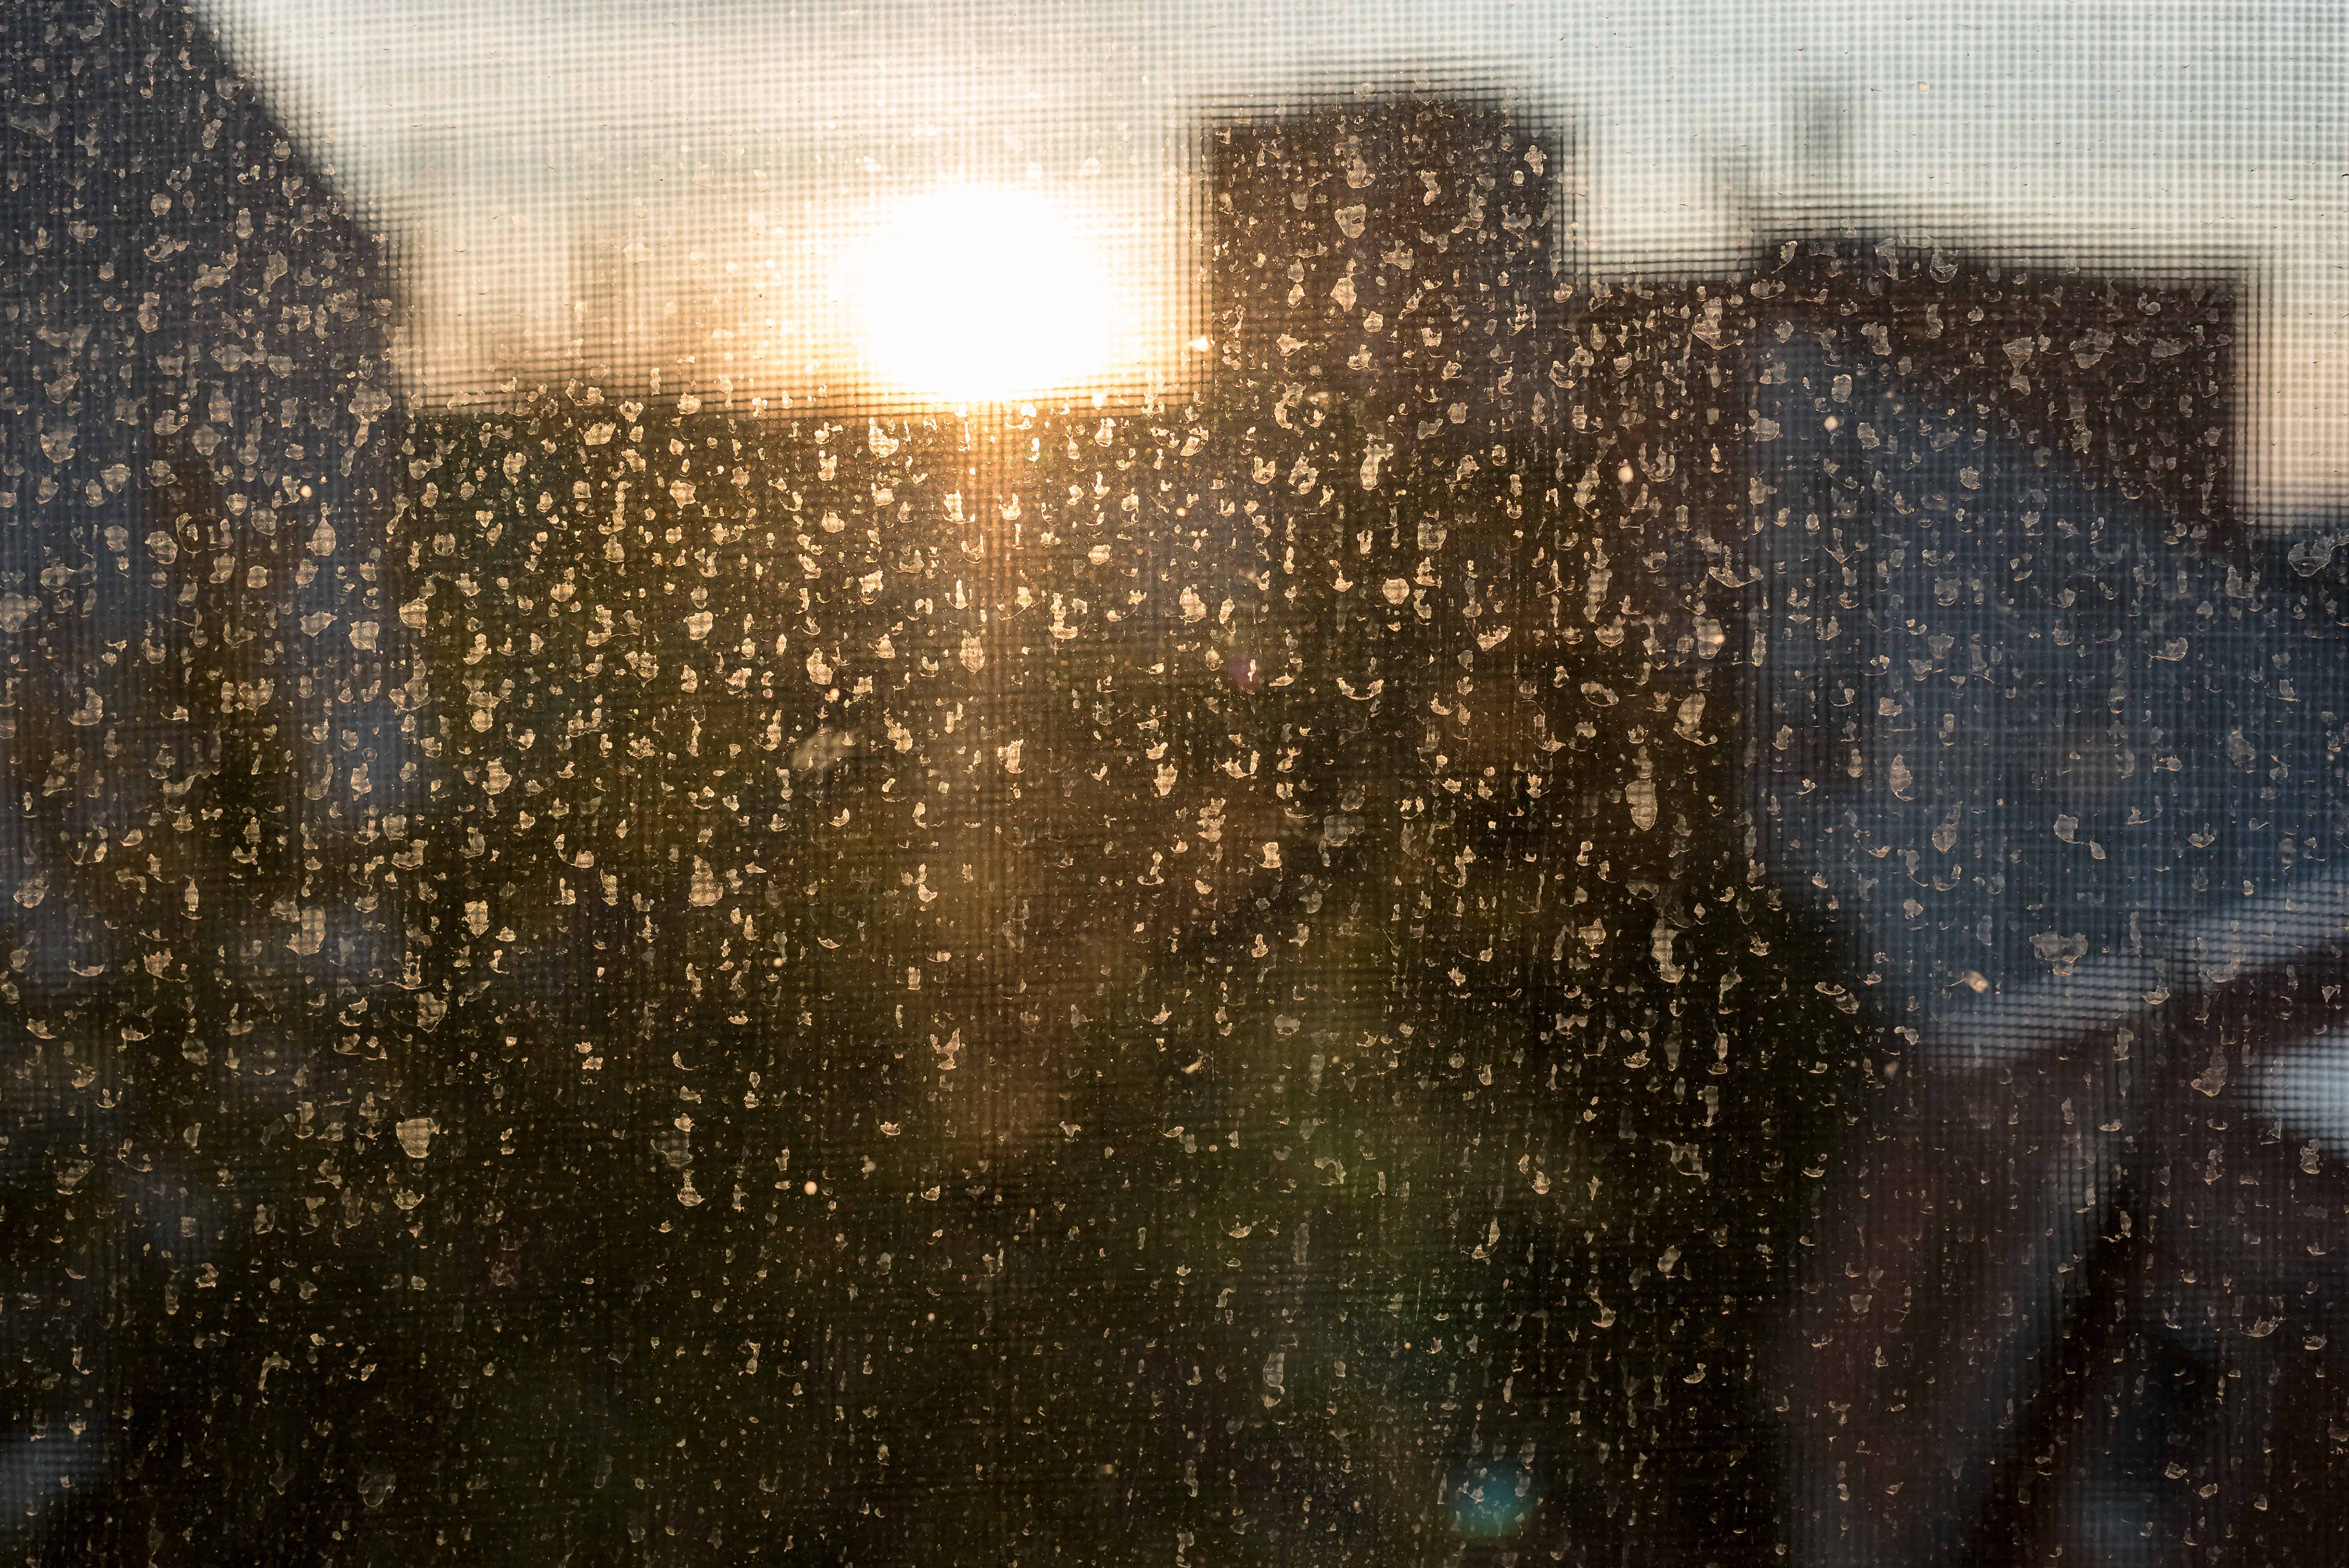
1448 472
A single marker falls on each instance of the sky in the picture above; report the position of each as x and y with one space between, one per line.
720 167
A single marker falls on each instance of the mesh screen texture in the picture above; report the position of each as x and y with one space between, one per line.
1374 785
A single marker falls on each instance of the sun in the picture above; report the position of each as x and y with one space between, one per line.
980 293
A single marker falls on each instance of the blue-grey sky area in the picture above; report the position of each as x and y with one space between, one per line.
622 183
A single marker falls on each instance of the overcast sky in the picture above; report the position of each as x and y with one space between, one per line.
722 159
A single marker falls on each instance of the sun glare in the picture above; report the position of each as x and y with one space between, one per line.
983 293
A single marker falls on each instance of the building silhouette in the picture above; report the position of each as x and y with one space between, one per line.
2040 729
201 730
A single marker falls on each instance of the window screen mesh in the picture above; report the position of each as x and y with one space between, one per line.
1376 785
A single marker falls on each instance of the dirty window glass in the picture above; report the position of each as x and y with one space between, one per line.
1403 784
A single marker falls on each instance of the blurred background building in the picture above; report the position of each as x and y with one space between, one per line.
201 726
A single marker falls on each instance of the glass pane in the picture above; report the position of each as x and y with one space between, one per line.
1121 784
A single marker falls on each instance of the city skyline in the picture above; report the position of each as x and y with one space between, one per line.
490 143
